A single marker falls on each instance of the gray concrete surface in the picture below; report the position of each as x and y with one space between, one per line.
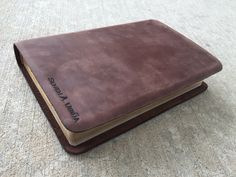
197 138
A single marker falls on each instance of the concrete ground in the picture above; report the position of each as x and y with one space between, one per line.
197 138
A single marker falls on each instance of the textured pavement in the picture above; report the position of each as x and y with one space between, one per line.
197 138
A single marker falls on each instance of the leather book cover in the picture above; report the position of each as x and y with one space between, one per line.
94 85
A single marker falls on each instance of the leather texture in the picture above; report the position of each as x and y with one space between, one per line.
116 131
108 72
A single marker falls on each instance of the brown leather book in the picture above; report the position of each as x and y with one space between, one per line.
94 85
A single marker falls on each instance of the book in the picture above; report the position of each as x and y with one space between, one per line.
94 85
